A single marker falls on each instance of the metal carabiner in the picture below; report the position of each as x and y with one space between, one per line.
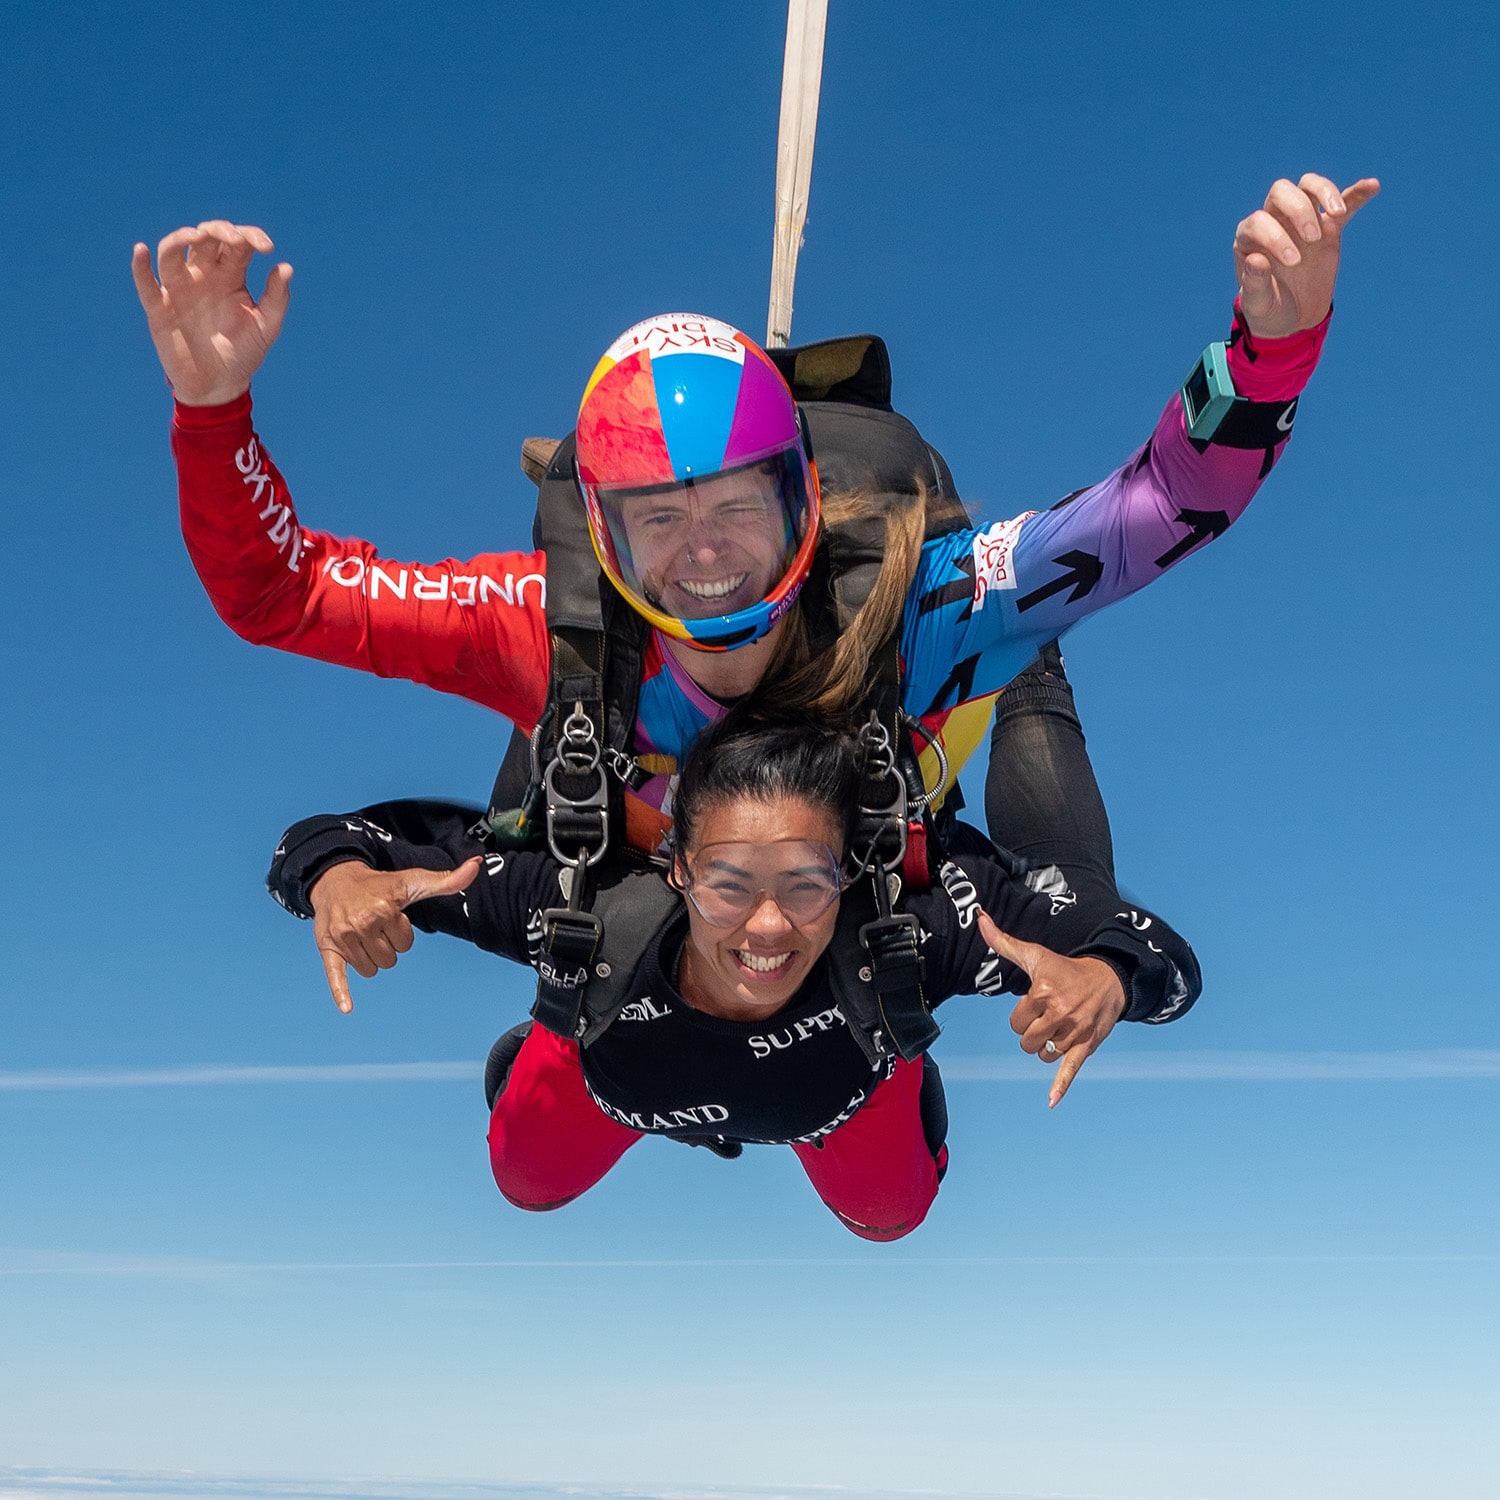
582 819
884 823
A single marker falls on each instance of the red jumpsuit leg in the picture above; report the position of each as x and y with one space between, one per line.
549 1141
875 1171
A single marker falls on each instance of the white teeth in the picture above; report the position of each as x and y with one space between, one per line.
718 590
762 963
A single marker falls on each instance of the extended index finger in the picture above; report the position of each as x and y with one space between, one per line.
170 266
337 973
1067 1070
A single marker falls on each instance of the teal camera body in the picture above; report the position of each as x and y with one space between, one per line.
1208 393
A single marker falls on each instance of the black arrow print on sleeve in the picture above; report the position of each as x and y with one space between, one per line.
1084 571
1204 524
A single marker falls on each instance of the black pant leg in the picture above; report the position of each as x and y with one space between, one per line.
498 1065
1041 800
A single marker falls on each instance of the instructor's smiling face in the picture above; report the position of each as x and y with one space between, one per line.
763 884
710 548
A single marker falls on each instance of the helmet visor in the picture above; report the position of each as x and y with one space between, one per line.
703 550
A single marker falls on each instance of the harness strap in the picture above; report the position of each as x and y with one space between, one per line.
605 947
896 971
876 970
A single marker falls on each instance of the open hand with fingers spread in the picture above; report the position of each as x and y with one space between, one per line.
1286 255
210 333
1071 1006
359 916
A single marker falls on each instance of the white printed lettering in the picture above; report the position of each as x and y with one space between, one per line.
994 566
764 1044
396 585
429 588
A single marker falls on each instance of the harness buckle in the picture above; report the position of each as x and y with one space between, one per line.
894 944
577 825
571 937
897 970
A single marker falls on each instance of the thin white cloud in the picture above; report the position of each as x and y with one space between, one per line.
43 1263
150 1078
74 1484
1241 1067
1118 1067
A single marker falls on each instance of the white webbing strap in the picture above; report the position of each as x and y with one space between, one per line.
801 78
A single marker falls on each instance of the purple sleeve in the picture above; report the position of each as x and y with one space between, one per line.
989 599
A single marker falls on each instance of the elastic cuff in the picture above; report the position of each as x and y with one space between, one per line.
1123 973
1265 369
1037 694
211 416
299 873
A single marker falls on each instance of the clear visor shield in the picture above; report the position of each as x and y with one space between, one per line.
705 547
727 882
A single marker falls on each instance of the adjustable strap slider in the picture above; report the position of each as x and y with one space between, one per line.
895 955
897 970
571 937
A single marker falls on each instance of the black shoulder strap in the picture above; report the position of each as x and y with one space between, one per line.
602 639
632 903
877 979
598 643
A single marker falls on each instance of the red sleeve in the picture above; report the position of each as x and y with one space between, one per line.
476 628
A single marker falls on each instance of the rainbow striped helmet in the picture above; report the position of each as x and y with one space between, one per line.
702 499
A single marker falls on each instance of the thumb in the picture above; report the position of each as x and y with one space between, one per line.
1022 955
274 299
1360 194
422 885
146 285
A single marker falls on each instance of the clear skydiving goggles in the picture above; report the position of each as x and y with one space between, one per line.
714 561
728 882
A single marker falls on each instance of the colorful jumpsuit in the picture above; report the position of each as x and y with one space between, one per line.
983 601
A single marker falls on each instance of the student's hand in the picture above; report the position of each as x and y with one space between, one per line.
359 916
210 333
1286 255
1073 1004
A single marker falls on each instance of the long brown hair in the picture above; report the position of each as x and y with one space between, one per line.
830 684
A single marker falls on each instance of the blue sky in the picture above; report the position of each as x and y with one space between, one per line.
1252 1254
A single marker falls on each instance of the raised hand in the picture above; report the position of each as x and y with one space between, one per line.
359 916
1072 1005
1286 255
210 333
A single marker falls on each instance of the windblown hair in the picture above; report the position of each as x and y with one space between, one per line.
765 760
830 684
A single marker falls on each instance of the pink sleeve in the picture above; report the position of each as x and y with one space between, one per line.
1273 369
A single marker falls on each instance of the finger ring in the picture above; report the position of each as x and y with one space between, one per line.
1049 1048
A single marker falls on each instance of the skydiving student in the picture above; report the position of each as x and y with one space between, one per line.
705 510
733 1025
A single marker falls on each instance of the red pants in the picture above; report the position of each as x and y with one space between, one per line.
549 1142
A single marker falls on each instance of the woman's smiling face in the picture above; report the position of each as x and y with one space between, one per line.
747 853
